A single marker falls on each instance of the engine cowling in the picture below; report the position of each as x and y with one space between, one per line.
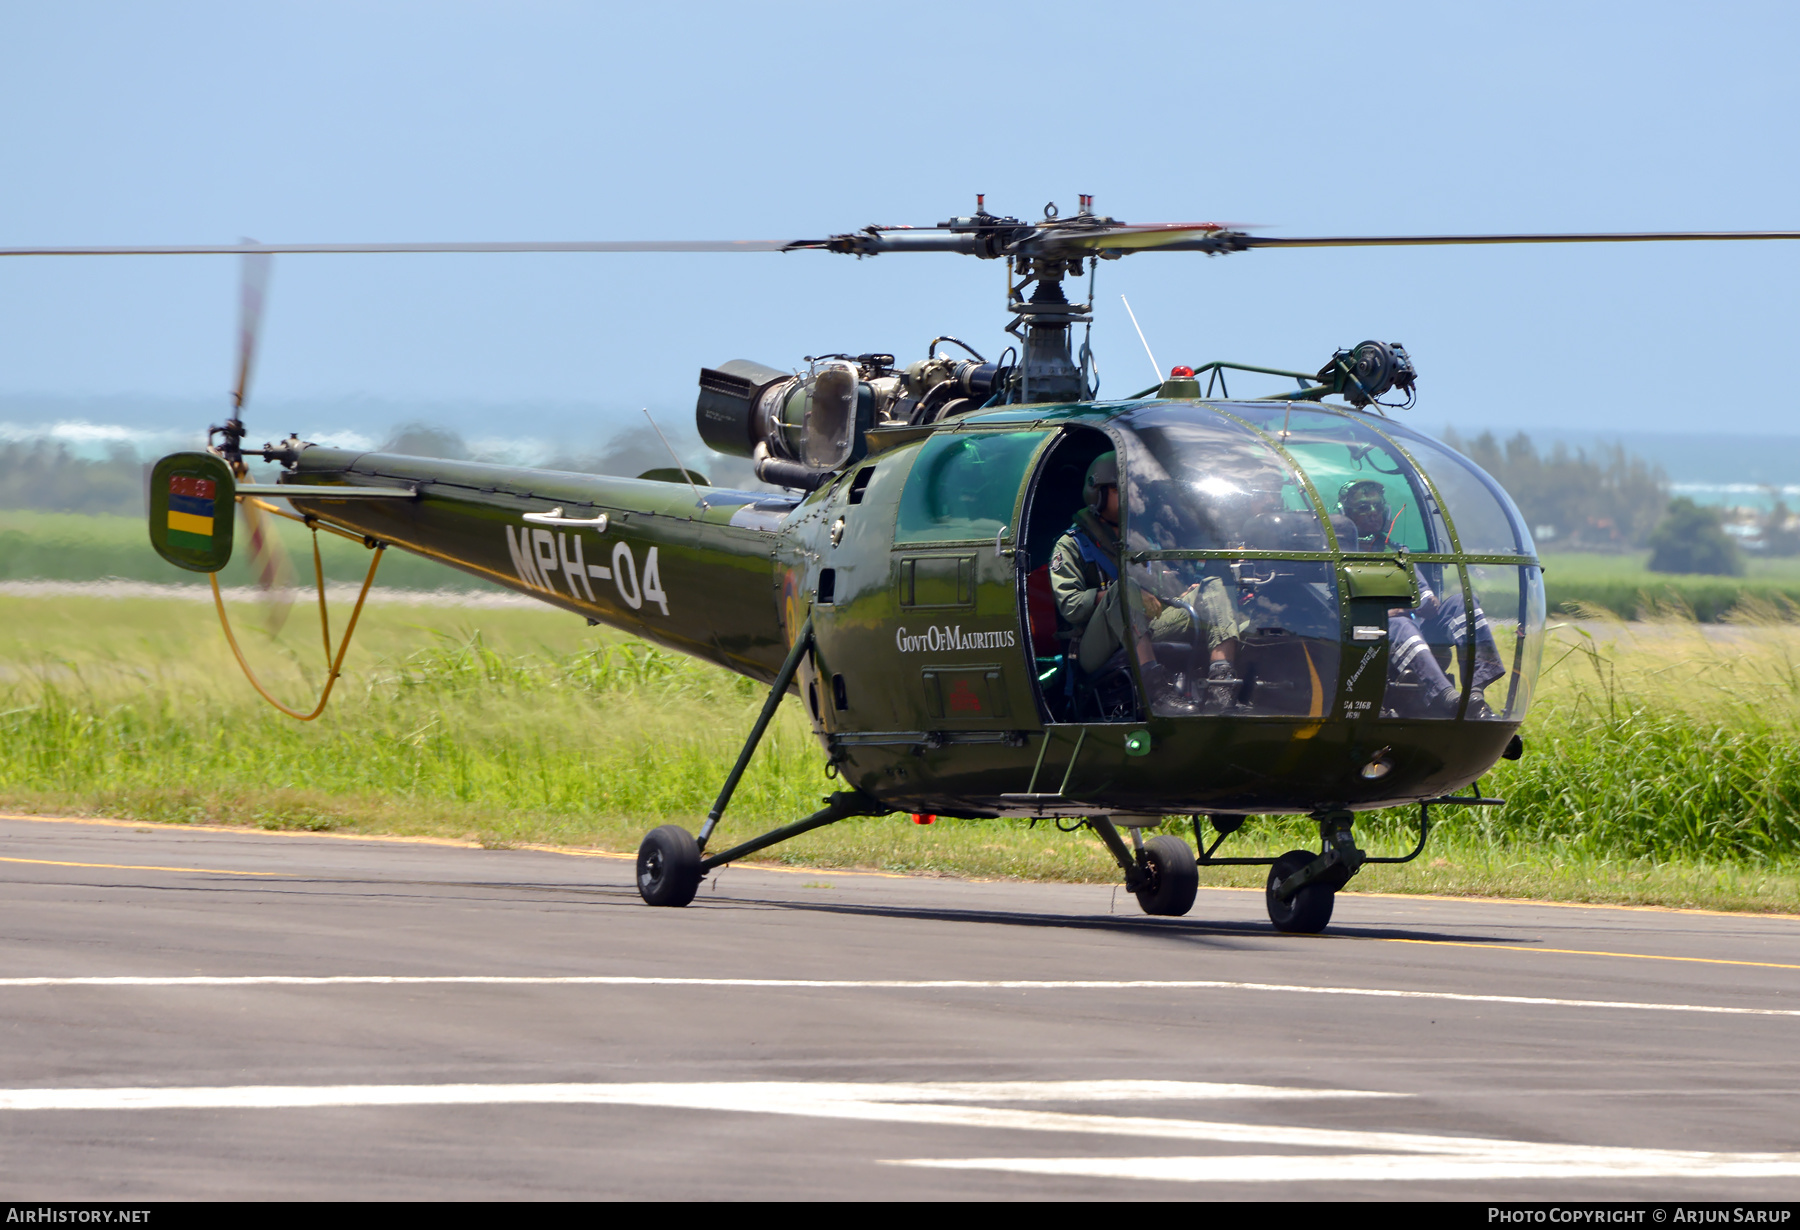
800 429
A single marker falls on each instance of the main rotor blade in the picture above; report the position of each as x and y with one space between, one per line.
1125 237
274 249
1122 239
1239 240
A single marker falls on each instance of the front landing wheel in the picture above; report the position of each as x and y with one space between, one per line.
1172 877
1308 910
668 866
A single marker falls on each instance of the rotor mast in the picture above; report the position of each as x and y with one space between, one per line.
1040 257
1048 370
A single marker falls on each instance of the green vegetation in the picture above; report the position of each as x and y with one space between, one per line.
47 475
1608 502
1692 539
1623 585
1663 764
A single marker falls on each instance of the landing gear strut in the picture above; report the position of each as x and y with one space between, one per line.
1304 910
1302 886
672 861
1162 874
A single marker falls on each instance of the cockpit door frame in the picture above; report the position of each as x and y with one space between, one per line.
1022 569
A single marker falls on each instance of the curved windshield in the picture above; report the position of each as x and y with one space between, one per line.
1222 635
1510 599
1200 481
1252 637
1219 612
1374 497
1487 521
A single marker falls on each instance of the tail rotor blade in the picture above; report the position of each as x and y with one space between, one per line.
253 292
269 562
271 566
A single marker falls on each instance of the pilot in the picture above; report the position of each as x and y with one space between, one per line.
1435 621
1084 575
1364 501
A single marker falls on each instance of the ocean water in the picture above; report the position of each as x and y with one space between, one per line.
1758 496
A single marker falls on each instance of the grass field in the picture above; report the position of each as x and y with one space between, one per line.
1623 585
1663 765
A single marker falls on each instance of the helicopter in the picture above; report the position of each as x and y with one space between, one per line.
1315 609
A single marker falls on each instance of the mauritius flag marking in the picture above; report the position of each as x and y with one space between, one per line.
191 511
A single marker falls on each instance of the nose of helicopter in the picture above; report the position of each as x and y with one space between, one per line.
1219 763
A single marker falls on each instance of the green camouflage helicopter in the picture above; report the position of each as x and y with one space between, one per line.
1313 609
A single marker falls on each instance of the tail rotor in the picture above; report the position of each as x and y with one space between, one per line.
269 562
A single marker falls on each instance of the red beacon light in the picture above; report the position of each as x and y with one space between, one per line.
1181 371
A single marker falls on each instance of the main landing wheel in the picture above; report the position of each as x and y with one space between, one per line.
1172 877
1309 909
668 866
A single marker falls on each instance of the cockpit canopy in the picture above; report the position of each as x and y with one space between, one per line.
1234 514
1244 476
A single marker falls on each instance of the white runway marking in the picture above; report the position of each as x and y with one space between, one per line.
1353 1154
1384 1167
831 1099
851 984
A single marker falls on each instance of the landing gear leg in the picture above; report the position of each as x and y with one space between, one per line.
670 863
669 866
1302 886
1164 875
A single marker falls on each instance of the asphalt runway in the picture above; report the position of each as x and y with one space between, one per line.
196 1014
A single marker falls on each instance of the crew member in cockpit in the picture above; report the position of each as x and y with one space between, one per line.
1364 501
1435 621
1084 576
1443 621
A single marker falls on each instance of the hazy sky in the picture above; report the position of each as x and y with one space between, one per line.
173 122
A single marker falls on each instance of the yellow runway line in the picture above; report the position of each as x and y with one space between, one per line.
1573 952
211 871
1552 905
450 842
238 830
1573 905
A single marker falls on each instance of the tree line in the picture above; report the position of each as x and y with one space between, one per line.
48 476
1607 500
